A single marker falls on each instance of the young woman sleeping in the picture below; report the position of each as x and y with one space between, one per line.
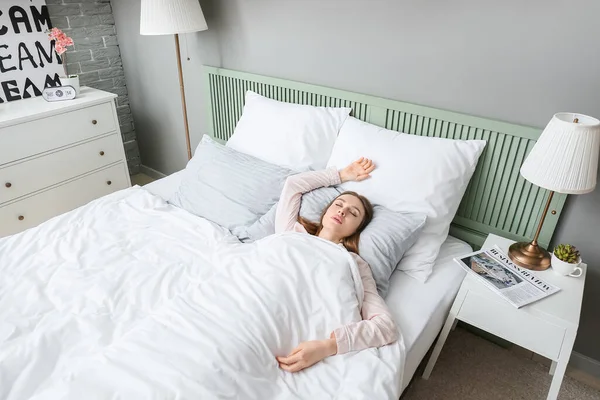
342 222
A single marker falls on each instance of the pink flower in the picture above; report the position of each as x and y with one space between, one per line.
54 33
66 41
60 49
62 41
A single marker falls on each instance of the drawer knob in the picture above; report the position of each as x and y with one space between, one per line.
109 182
8 184
21 218
101 153
94 122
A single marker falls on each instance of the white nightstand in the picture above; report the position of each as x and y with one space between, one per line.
547 327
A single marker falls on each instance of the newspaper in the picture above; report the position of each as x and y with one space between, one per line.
518 286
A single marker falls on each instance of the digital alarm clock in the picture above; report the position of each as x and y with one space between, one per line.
59 93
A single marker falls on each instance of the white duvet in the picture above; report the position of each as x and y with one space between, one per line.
131 298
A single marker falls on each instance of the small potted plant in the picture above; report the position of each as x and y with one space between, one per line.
61 42
566 260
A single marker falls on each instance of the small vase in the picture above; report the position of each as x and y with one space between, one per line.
71 80
564 268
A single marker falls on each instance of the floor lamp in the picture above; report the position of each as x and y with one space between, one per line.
172 17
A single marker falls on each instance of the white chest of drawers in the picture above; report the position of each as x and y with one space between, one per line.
55 157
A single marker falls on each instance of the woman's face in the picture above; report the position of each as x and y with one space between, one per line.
344 215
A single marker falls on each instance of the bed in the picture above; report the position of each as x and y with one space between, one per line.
419 309
100 302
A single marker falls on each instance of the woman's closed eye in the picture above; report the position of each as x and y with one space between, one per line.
352 212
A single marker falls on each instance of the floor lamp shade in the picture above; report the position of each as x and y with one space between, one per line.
167 17
565 157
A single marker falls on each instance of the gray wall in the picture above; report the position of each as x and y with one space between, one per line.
95 57
514 61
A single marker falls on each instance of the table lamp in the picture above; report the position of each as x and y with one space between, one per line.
563 160
172 17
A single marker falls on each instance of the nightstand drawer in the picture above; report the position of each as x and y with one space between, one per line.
32 211
38 173
502 319
46 134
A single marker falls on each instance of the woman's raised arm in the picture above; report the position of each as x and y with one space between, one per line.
293 189
295 186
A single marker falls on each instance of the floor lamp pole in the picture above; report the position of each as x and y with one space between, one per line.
183 104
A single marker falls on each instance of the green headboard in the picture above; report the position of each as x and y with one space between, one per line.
498 200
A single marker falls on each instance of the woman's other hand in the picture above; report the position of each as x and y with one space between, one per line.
307 354
358 171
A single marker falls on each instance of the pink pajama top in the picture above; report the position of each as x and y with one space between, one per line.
377 327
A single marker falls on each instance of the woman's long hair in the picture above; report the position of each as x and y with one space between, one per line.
350 242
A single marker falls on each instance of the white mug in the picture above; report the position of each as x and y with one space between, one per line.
565 268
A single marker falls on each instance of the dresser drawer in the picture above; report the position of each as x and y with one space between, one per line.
38 173
45 134
502 319
36 209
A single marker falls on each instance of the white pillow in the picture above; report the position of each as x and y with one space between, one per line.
290 135
413 174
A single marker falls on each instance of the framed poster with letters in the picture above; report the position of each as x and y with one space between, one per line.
28 62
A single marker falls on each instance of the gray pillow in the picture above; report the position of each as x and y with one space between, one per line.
227 187
385 240
382 244
314 202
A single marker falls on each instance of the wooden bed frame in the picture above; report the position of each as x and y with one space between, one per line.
498 200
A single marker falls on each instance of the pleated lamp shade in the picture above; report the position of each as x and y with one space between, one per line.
167 17
565 157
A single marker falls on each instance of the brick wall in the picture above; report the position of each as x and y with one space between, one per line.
96 58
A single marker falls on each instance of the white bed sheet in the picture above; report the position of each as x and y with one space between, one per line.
419 309
166 186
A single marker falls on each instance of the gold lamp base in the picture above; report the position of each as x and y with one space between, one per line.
529 255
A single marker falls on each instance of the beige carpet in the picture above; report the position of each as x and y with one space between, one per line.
472 368
141 179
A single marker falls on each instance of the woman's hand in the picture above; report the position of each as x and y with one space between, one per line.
307 354
358 171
